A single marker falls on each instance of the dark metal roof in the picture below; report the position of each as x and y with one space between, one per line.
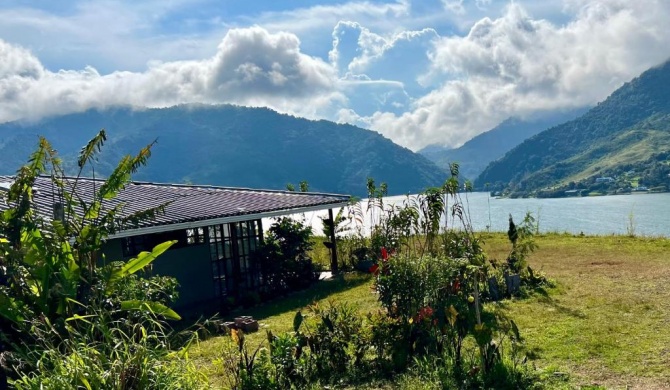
194 205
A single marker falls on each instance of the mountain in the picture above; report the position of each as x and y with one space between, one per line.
232 146
630 129
474 155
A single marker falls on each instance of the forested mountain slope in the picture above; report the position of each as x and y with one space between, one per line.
233 146
630 127
474 155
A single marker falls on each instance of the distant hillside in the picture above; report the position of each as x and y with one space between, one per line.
629 129
474 155
233 146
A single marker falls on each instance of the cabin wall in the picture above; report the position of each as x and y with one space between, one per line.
214 265
190 265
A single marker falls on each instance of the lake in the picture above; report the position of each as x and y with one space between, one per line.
601 215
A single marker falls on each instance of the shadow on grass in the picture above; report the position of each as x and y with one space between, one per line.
547 300
298 300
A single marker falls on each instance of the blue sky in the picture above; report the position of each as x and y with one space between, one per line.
419 72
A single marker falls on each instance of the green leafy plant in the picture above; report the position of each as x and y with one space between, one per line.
283 257
69 318
105 349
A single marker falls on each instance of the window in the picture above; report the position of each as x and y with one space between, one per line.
231 248
195 236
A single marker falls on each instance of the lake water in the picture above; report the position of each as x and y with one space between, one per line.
600 215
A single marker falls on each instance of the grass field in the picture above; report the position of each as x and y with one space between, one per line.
605 325
607 322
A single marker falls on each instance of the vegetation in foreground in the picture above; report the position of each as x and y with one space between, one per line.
72 320
601 327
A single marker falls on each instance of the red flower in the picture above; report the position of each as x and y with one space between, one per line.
456 285
385 254
374 269
425 312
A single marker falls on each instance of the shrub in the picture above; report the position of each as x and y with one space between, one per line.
433 297
283 257
522 239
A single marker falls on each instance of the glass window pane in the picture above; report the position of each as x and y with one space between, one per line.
228 252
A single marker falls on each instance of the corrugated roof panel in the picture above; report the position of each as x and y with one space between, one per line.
186 203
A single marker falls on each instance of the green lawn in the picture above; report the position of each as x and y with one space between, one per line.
606 322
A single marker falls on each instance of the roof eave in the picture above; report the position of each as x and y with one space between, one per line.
222 220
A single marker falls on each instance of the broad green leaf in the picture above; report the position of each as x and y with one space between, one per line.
77 317
150 306
93 210
145 258
85 382
84 234
34 288
9 309
59 228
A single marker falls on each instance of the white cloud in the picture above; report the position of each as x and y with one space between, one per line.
358 50
455 6
482 4
18 62
253 63
108 34
251 67
380 70
418 72
382 15
515 65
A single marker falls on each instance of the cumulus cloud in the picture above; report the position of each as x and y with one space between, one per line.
380 72
516 65
406 69
18 62
250 67
357 50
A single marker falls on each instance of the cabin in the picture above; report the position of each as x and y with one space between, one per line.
216 228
